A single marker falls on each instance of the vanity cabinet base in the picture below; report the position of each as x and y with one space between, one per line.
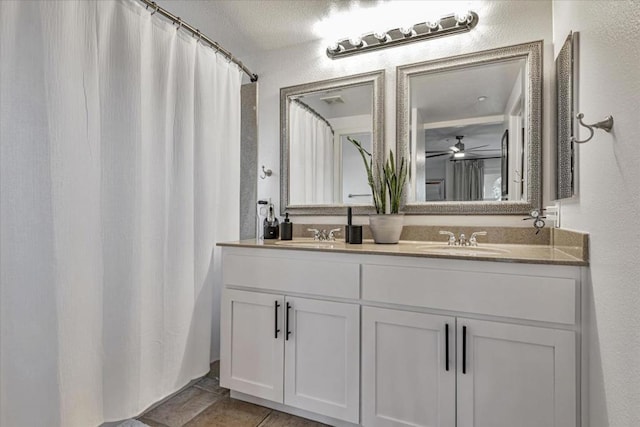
385 341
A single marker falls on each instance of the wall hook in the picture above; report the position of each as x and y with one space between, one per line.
606 125
265 173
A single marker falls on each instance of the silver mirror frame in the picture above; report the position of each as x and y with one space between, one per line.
532 52
374 77
567 108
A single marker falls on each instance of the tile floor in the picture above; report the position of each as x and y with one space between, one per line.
206 404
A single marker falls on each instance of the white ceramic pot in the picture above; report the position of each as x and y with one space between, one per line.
386 228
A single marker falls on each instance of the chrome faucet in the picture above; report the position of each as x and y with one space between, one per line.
462 240
452 237
324 235
473 241
316 233
332 234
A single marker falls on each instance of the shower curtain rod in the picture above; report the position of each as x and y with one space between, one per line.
315 113
197 34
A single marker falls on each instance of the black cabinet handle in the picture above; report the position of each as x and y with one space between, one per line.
464 349
287 332
276 325
446 347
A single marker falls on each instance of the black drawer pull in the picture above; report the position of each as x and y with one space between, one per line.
464 349
288 332
276 316
446 347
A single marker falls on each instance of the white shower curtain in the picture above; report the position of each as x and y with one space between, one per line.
311 164
119 170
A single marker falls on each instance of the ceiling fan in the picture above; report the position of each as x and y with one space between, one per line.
458 150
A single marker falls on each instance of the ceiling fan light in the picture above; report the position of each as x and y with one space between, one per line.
458 155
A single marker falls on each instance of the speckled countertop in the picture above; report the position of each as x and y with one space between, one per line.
514 253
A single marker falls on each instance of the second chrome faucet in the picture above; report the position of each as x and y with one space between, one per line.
462 240
324 235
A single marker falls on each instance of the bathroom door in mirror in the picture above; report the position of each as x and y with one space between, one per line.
471 127
322 172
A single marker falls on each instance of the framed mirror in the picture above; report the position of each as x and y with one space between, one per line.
567 108
321 171
471 127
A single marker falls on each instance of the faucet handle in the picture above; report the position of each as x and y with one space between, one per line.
452 237
332 234
473 241
316 233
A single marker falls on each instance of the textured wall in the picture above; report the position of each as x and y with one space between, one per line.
608 201
501 23
248 161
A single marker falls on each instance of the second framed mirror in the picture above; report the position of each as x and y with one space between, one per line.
471 125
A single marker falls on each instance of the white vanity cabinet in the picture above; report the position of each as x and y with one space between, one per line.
507 375
300 352
380 340
507 372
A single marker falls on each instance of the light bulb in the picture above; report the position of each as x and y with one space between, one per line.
458 155
432 25
356 41
462 17
334 47
407 30
381 36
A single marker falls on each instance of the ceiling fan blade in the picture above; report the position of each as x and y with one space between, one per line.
438 155
475 148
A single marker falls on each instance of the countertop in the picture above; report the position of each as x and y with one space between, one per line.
513 253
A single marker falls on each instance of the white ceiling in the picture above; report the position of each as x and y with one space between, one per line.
453 95
247 27
357 100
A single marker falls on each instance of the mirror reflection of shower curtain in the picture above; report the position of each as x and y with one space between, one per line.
468 180
311 158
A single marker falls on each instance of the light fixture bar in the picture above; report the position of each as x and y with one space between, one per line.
447 25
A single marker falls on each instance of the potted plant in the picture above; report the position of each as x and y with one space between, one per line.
386 227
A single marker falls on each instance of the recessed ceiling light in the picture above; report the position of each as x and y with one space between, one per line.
482 98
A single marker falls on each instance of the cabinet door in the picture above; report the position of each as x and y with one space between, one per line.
512 375
406 380
322 357
251 349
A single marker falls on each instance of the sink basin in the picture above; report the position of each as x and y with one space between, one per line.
316 244
462 250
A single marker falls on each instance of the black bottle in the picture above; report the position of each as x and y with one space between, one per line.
287 228
271 226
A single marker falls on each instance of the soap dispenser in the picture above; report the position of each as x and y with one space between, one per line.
287 228
271 226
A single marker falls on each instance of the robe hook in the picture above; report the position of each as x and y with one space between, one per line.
606 125
265 172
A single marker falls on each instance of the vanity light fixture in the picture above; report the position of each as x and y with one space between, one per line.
447 25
